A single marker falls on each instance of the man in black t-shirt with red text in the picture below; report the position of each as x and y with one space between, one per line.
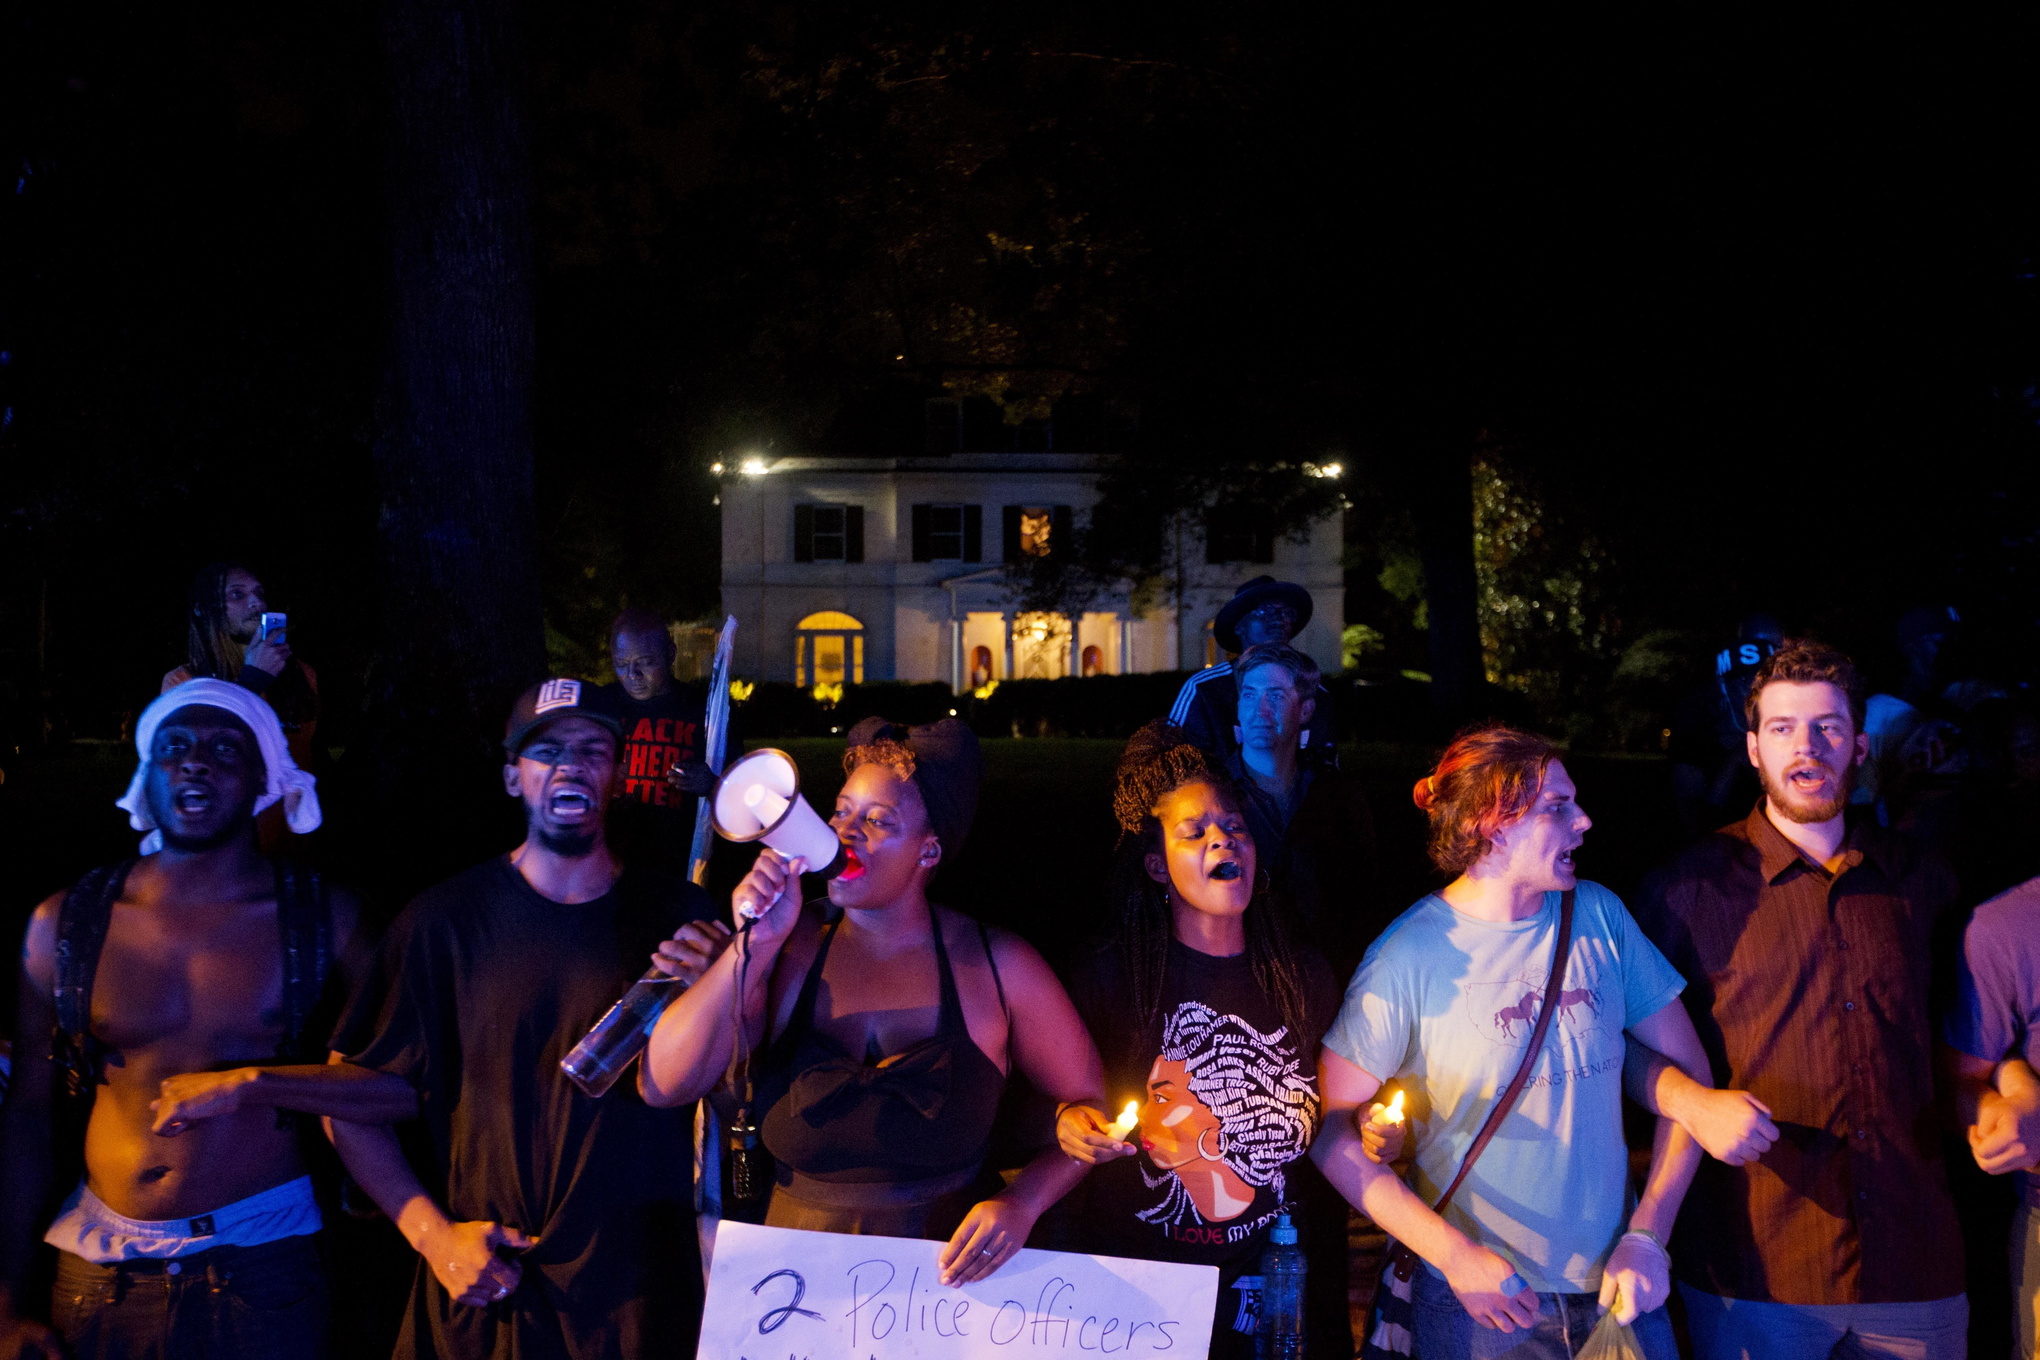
664 752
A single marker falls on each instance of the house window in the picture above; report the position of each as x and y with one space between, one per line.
828 649
980 667
1229 538
1036 531
1094 660
948 533
828 533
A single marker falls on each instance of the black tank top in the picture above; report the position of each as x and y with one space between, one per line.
834 1116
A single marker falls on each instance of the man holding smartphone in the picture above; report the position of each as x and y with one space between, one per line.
232 634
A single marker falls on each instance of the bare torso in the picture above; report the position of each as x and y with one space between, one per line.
182 987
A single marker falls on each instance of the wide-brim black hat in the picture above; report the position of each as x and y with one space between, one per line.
1259 591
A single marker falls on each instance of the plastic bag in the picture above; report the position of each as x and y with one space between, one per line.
1610 1340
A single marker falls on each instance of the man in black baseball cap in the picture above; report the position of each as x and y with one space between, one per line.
566 1223
1263 612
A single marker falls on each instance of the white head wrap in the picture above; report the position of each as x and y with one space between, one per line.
287 782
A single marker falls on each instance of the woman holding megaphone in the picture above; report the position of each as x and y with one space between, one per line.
873 1031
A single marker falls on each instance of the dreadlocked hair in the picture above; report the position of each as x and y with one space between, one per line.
1157 761
212 650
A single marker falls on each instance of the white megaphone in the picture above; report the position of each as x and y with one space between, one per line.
759 800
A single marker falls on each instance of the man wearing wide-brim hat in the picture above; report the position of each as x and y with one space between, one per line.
1264 611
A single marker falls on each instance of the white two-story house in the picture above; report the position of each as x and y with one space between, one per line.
862 569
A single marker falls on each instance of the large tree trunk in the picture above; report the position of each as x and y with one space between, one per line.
1441 491
462 625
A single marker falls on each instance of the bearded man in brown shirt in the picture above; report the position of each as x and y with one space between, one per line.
1807 940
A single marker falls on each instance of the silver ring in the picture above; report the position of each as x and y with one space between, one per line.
988 1252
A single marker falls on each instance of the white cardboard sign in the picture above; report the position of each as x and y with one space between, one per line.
782 1294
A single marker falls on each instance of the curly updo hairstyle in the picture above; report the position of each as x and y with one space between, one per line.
1487 778
1158 760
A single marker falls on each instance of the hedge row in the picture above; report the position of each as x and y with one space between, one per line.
1370 707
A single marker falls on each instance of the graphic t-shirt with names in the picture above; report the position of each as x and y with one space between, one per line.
1228 1104
1445 1004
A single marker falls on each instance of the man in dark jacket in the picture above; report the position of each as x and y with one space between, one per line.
1263 612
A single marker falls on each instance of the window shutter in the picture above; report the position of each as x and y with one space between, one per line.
1060 544
853 533
1012 528
803 533
973 533
923 552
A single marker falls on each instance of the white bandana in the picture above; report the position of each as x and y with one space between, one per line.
287 782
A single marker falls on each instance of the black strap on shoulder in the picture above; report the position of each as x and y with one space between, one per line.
304 919
986 937
81 934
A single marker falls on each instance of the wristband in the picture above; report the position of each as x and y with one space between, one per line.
1514 1285
1647 1235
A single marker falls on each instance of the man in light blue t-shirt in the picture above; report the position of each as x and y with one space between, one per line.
1541 1236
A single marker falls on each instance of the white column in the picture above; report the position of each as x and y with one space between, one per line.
1076 644
1006 618
1125 644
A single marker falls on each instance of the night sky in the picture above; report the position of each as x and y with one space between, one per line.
1755 299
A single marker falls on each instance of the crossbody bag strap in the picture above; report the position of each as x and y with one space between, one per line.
1561 954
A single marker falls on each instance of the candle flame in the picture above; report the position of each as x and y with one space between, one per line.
1394 1114
1128 1117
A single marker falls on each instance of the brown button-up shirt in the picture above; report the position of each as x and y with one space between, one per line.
1810 991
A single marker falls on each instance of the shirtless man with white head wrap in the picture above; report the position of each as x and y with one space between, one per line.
180 993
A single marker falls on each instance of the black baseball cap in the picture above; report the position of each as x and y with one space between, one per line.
546 702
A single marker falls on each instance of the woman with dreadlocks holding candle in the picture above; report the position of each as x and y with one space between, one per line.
1208 1008
880 1029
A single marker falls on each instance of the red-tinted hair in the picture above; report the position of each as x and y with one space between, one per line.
1486 779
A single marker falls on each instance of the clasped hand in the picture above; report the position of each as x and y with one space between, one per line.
1636 1279
1733 1126
692 949
463 1258
193 1096
2006 1135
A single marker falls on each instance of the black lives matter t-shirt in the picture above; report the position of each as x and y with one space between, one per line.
658 734
482 986
653 822
1228 1105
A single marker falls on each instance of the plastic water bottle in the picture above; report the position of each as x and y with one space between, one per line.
618 1037
1280 1335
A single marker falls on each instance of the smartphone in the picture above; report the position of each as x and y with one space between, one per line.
273 625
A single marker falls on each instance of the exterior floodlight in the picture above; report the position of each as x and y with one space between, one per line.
716 468
1329 471
754 467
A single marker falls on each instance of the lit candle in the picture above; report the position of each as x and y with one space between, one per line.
1128 1117
1394 1113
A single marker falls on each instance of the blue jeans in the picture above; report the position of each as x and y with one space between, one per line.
1446 1331
1741 1329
